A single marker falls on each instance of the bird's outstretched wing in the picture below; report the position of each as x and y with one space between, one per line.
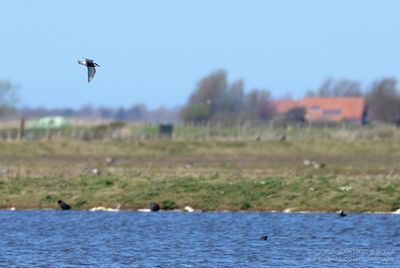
91 73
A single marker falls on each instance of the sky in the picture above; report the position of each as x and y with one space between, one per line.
155 51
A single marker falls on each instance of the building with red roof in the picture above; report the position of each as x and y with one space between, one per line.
321 109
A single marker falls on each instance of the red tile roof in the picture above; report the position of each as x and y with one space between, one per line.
326 109
333 109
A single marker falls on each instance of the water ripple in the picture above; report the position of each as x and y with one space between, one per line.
215 239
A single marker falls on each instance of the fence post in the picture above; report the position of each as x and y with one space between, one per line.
21 132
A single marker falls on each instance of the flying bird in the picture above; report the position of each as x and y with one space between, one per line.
91 66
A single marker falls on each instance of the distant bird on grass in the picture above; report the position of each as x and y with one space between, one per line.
91 66
63 205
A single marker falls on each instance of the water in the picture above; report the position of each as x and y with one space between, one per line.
217 239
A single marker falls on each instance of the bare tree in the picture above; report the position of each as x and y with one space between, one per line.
383 101
256 105
211 88
8 97
207 99
234 98
214 99
340 88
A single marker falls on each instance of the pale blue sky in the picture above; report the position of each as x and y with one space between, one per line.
154 52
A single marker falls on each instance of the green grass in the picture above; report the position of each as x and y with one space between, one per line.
210 169
206 193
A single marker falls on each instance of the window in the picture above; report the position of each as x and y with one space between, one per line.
332 112
314 108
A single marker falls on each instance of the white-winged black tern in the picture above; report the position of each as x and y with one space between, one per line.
91 66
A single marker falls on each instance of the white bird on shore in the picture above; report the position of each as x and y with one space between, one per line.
106 209
90 66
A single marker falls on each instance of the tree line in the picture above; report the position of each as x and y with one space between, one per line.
135 113
214 99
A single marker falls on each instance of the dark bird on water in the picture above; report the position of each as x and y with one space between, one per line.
63 205
341 213
154 207
264 237
91 66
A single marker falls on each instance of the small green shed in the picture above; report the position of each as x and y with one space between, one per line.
48 122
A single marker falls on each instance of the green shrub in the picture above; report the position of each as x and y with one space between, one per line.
245 205
168 204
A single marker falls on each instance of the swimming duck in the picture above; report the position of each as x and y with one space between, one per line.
90 66
63 205
341 213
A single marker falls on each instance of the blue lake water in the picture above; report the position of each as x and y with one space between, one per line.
212 239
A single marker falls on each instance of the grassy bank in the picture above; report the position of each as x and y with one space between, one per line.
360 174
314 193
